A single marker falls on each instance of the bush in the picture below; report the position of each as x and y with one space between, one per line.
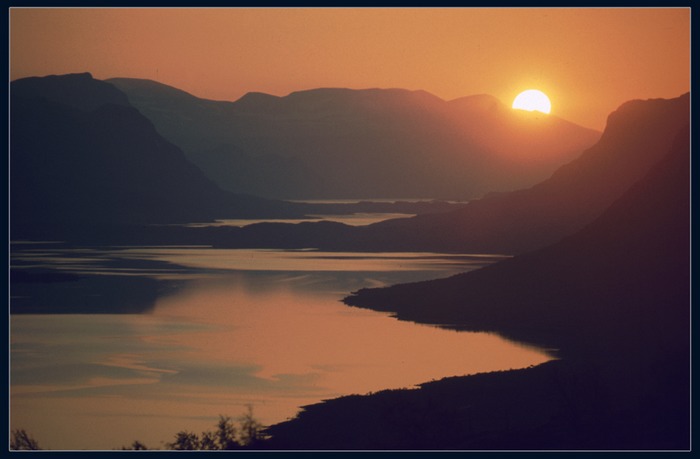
226 437
21 440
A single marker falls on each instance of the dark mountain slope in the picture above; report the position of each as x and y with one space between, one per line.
81 158
637 135
342 143
619 285
615 298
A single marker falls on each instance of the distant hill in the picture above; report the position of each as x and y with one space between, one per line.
81 157
637 135
342 143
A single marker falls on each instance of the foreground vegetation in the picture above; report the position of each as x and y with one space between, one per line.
247 433
21 440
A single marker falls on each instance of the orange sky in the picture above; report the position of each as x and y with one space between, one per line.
588 60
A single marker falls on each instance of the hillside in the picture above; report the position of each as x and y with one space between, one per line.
614 299
630 263
635 138
372 143
81 158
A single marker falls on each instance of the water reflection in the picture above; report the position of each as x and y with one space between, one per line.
259 327
356 219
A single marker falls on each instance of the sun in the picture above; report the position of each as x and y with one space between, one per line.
532 100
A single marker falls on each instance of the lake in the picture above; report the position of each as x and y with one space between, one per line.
216 330
356 219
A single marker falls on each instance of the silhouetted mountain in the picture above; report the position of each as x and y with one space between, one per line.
630 266
342 143
613 298
81 157
77 90
636 136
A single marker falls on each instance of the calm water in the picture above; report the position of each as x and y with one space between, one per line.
228 328
356 219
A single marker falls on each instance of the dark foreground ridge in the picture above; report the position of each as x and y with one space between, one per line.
614 299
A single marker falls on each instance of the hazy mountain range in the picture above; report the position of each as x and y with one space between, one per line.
373 143
83 157
80 152
637 135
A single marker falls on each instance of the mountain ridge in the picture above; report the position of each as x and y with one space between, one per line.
357 143
517 221
74 90
83 160
618 252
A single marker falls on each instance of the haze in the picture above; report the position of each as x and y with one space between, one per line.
588 61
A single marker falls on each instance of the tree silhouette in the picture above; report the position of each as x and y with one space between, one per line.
251 429
226 434
226 437
135 446
21 440
185 441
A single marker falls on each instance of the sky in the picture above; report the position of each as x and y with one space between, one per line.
587 60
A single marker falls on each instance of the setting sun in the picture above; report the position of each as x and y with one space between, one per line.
532 100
